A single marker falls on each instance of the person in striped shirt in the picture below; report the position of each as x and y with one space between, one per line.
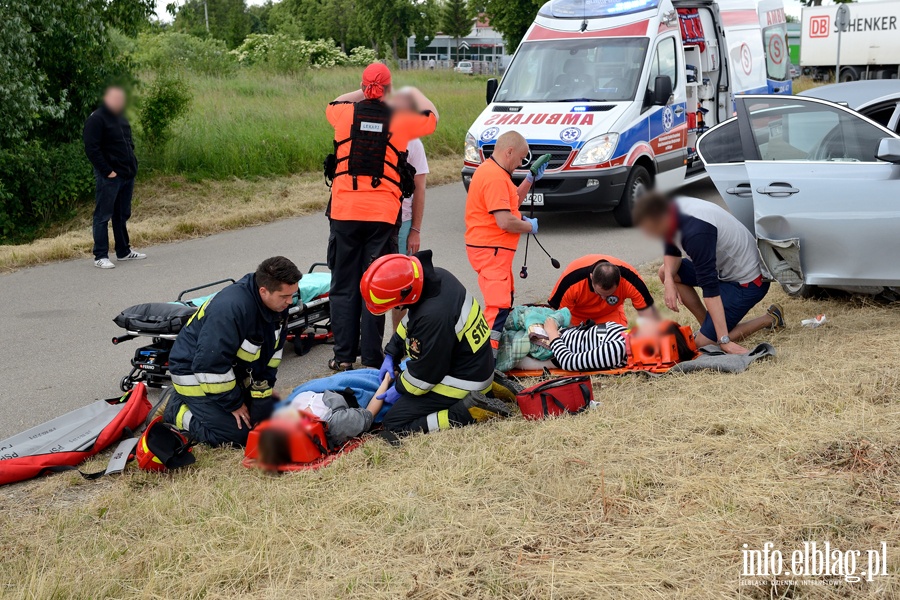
588 347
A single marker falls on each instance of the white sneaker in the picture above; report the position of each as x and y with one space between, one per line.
104 263
133 256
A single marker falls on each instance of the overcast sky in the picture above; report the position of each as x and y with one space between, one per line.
792 7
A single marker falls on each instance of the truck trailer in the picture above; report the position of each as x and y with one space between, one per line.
870 44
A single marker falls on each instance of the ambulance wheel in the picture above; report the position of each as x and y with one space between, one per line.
637 185
126 384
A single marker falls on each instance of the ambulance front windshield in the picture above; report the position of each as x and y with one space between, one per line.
588 70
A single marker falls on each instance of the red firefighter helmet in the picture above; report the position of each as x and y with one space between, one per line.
391 281
163 447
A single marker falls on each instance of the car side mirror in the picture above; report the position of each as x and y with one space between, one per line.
662 90
491 90
889 150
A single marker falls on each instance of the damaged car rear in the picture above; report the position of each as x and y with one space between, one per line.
819 186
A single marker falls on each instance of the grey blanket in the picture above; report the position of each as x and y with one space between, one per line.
713 359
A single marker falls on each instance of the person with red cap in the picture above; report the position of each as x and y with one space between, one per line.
369 176
447 340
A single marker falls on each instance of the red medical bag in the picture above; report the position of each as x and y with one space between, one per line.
566 395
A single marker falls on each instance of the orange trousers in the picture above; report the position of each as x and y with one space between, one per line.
495 280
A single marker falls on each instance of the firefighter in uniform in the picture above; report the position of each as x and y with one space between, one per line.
446 338
369 176
494 224
224 361
595 287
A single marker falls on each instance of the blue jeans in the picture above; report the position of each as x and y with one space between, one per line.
403 236
112 203
737 299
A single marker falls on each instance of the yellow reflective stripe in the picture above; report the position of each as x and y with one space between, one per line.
416 387
276 359
471 319
200 313
188 390
450 392
401 330
179 418
261 393
443 418
218 388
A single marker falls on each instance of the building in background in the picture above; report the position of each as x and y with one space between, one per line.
482 44
793 41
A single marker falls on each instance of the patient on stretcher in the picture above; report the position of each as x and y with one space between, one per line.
344 420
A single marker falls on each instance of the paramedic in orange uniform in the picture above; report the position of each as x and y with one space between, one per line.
595 287
370 149
494 224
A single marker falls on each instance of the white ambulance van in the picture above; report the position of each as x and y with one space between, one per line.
617 92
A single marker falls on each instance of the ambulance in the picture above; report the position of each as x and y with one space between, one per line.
618 91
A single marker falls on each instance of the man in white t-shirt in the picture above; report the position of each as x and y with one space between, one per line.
409 237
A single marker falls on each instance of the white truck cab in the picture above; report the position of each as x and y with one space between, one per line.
617 92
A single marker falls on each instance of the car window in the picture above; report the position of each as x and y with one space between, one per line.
798 130
776 52
722 144
664 63
881 113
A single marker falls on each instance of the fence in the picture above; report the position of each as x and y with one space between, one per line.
479 67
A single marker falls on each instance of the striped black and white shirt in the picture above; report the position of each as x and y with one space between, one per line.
596 348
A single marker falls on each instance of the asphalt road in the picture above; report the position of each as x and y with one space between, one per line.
56 320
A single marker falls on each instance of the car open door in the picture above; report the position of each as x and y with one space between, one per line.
826 210
722 155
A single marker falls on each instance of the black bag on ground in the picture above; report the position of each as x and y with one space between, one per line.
155 317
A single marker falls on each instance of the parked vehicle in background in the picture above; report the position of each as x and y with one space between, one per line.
870 47
617 92
877 99
465 67
818 184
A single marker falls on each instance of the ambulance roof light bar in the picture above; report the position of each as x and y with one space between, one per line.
587 9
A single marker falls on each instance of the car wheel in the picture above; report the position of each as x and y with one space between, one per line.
637 185
799 290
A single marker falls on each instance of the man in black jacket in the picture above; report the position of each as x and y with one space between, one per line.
447 340
225 360
110 148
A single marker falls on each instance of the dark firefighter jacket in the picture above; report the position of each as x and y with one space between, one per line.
232 346
446 338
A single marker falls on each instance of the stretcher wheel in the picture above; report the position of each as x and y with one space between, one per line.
126 384
303 342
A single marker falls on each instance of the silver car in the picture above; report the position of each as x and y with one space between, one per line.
818 184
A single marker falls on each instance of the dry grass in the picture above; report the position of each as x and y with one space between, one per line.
171 208
650 496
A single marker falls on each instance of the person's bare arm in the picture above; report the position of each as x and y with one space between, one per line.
649 313
375 403
523 190
507 222
354 96
414 240
421 100
552 328
717 312
671 264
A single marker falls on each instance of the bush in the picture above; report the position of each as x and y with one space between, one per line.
286 55
361 56
167 100
163 51
40 184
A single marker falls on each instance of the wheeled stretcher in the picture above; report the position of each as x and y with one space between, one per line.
309 323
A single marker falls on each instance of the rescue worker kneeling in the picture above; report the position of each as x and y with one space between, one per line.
446 338
225 360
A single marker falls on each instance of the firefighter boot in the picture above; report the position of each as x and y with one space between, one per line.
483 408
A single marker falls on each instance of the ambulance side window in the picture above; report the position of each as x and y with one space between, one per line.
664 63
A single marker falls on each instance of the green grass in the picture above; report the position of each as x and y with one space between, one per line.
257 124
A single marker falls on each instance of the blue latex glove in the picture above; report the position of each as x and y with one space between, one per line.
532 177
533 222
390 396
387 367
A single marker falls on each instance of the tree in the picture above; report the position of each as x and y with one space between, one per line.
511 18
229 20
428 23
55 60
456 21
